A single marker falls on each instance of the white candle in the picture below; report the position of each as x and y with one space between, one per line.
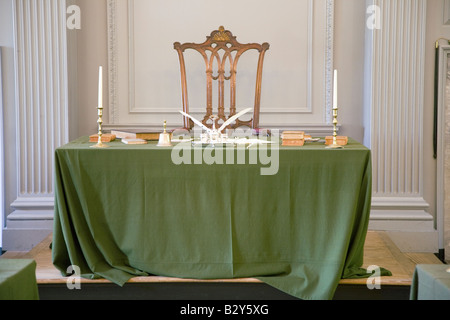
100 87
335 93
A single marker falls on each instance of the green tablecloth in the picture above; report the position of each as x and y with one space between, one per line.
129 210
431 282
18 279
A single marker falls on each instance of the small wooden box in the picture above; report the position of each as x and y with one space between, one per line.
297 135
341 140
106 137
293 138
293 142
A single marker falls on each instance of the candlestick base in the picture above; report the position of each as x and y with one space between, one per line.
334 146
100 145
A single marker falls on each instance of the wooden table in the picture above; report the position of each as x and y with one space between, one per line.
128 211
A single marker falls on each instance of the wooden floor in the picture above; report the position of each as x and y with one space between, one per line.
379 251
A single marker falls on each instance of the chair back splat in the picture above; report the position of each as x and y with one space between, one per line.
220 48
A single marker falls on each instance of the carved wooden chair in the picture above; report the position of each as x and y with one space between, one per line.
220 48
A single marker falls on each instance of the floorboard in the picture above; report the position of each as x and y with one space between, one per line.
379 251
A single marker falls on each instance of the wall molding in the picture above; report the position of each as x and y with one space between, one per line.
34 203
112 60
398 98
41 97
395 100
396 203
41 92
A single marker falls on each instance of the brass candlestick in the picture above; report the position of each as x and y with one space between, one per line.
100 143
335 145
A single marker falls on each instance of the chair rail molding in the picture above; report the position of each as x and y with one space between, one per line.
394 124
41 116
144 84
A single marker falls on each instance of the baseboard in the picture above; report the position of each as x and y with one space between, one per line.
25 228
411 229
23 239
30 219
415 241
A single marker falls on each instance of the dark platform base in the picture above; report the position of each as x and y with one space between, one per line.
206 291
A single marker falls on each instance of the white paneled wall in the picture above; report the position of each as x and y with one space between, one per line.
394 101
144 83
